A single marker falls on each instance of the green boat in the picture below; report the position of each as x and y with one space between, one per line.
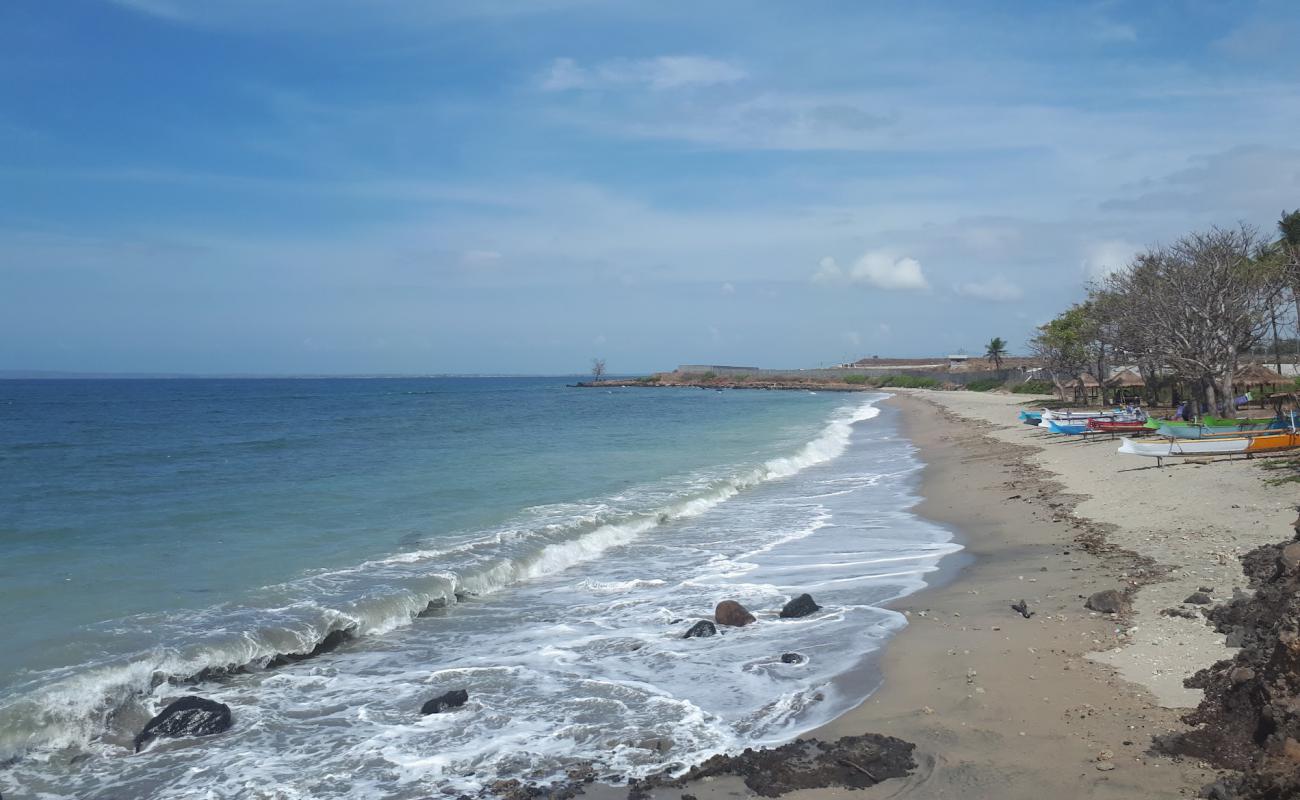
1220 422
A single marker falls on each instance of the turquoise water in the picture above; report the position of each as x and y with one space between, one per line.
527 540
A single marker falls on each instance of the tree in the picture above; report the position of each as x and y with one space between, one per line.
995 351
597 368
1060 346
1195 306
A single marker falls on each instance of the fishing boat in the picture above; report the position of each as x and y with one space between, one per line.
1031 417
1214 446
1219 422
1135 426
1069 428
1177 430
1048 414
1077 417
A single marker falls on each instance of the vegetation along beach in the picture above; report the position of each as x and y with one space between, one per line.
520 400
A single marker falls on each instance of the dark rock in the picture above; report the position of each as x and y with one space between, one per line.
332 641
188 716
1108 601
657 744
1199 599
729 612
1022 608
1247 719
701 629
1206 589
793 658
1185 613
445 702
854 762
801 606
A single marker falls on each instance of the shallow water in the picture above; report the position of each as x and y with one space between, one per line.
565 538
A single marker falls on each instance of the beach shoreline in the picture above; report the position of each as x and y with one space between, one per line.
1003 706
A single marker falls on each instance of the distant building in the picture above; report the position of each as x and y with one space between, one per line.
957 360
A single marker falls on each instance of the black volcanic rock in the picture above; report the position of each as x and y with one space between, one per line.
188 716
445 702
801 606
701 629
1248 719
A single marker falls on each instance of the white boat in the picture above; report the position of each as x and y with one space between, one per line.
1217 446
1081 417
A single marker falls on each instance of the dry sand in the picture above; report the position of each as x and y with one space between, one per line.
1064 704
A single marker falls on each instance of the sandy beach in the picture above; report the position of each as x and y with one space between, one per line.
1064 703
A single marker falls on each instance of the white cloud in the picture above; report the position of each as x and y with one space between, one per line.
660 73
995 288
728 288
877 268
1102 258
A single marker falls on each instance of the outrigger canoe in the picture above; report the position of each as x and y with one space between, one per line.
1220 422
1215 446
1188 431
1031 417
1271 423
1136 427
1070 428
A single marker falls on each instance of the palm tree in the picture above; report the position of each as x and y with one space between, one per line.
995 350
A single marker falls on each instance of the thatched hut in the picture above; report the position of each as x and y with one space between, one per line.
1257 376
1127 384
1086 388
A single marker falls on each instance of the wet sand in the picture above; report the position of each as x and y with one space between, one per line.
1004 707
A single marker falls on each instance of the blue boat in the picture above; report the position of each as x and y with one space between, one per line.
1066 428
1031 417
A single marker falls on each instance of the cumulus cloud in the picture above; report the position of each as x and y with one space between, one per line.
996 289
1102 258
660 73
878 268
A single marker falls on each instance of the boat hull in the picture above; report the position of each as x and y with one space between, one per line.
1203 432
1216 446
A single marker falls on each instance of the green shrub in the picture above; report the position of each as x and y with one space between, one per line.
856 380
984 384
1034 387
908 382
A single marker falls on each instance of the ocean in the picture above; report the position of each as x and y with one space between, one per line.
543 547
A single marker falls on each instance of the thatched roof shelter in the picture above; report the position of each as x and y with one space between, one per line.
1257 375
1127 379
1085 381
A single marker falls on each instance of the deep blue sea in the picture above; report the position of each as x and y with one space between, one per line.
543 547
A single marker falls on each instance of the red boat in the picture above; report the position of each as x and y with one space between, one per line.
1134 427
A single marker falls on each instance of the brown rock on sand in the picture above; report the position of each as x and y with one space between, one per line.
729 612
1108 601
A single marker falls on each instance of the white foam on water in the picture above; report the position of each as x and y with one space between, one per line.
561 668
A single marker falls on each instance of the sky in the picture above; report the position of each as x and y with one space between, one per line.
416 186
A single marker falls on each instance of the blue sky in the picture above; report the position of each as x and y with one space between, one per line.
499 186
